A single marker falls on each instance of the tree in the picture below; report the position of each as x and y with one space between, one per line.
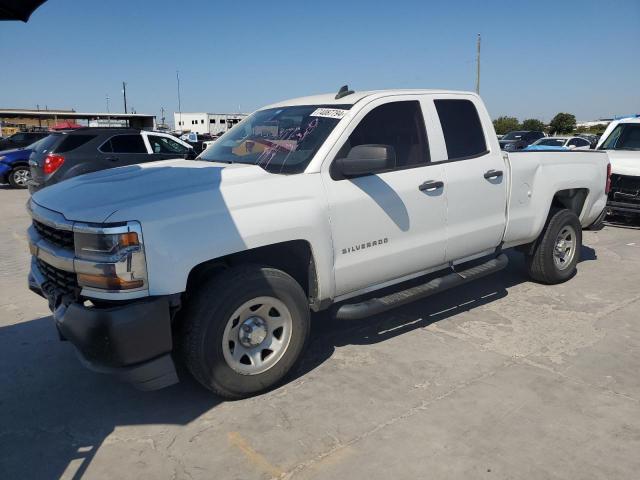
533 124
505 124
563 123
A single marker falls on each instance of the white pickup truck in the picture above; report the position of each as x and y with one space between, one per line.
306 204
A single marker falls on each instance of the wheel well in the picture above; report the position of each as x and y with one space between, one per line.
293 257
572 199
19 164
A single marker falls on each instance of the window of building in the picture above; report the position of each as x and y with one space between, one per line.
463 134
212 120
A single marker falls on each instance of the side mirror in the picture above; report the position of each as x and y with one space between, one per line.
367 160
190 155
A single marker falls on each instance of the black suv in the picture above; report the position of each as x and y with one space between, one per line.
21 139
519 139
71 153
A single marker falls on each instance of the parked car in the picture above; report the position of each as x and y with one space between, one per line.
14 166
309 204
621 141
517 140
21 139
71 153
593 138
560 143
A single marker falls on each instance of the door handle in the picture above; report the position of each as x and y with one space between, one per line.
493 174
112 159
431 185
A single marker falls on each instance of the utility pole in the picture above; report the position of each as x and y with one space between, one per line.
162 114
108 116
179 106
124 93
478 67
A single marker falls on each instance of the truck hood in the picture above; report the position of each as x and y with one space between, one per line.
625 162
95 197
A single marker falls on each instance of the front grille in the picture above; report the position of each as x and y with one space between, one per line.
65 282
60 238
625 188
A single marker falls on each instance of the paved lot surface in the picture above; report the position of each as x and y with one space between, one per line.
501 379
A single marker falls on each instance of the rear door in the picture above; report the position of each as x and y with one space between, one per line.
475 182
123 149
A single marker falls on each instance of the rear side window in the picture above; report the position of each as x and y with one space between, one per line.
463 134
124 144
398 124
71 142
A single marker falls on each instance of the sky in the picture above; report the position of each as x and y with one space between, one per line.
538 58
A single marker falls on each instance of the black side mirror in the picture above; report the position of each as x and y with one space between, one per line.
190 155
367 160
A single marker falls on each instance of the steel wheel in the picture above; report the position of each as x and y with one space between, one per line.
257 335
565 247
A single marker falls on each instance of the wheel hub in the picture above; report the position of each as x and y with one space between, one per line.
252 332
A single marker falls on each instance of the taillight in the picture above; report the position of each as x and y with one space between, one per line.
52 163
607 187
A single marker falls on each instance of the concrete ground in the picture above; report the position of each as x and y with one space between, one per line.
503 378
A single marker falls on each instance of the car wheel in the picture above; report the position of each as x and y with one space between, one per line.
244 330
19 177
557 251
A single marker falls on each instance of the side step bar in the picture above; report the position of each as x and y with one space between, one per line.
355 311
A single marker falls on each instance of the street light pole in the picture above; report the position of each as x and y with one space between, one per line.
179 106
124 93
478 67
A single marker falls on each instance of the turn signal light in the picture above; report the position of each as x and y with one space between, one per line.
52 163
108 283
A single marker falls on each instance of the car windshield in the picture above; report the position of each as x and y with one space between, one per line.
36 145
626 136
280 140
551 142
513 136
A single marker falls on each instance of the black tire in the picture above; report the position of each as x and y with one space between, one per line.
209 309
15 176
541 265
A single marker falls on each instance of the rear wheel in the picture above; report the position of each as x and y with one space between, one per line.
244 330
557 251
19 176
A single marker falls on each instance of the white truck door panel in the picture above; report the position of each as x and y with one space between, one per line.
384 226
475 179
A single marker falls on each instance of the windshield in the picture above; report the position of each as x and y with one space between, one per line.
626 136
280 140
513 136
552 142
36 145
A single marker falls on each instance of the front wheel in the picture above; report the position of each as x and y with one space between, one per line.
19 177
244 330
557 251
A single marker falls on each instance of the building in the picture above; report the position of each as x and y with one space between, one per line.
17 119
206 123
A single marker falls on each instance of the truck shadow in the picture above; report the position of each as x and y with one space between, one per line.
329 333
55 415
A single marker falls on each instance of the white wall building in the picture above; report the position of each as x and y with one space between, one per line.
202 123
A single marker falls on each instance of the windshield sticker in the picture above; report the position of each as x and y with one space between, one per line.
329 112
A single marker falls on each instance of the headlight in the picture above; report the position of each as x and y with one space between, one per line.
2 157
110 258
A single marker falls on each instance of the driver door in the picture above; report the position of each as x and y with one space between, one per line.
391 224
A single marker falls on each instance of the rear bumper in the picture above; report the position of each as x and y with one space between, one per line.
132 341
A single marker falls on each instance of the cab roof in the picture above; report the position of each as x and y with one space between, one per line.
355 97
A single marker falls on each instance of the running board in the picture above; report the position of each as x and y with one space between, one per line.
356 311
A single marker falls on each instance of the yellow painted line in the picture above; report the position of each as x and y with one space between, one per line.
258 460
